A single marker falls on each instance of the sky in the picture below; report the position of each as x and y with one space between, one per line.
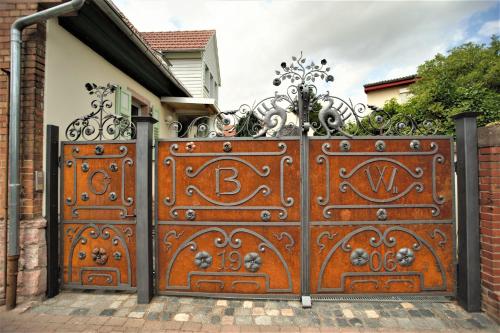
363 42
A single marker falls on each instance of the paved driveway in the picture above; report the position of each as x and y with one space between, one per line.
93 312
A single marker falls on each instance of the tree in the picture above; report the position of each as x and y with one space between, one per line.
467 79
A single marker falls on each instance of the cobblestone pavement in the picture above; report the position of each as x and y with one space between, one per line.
93 312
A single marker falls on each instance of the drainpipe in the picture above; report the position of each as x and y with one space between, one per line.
6 206
14 136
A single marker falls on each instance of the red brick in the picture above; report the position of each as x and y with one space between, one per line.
489 150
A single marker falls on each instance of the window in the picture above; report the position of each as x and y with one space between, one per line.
206 79
211 94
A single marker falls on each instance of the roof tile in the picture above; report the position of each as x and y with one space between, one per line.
178 40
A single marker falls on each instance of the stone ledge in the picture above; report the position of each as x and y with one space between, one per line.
488 136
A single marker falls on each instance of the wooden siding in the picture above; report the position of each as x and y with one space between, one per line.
190 73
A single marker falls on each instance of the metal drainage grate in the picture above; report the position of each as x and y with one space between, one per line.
405 298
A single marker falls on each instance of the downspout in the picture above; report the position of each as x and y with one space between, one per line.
6 206
14 136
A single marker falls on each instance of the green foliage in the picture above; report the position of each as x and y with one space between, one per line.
465 80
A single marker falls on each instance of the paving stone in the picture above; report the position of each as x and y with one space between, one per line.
415 313
263 320
200 317
287 312
243 320
115 321
153 316
247 304
356 322
136 314
166 316
221 302
407 306
227 320
243 312
187 308
341 322
258 311
272 312
348 313
108 312
181 317
372 314
229 311
215 320
190 326
80 312
373 323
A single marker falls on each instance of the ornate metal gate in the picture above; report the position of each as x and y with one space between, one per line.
382 215
307 207
98 201
288 213
228 216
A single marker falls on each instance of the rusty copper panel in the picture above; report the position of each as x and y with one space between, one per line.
254 180
99 255
229 259
229 217
382 258
409 184
98 204
382 216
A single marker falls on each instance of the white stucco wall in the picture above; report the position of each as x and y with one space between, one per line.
69 64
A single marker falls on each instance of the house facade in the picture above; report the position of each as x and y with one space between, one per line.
194 60
96 45
377 93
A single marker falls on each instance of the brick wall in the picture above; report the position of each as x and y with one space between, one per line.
489 200
31 280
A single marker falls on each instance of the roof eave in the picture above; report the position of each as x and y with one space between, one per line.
109 8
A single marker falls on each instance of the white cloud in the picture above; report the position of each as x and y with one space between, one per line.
490 28
364 41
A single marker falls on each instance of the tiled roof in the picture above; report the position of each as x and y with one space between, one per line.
178 40
404 78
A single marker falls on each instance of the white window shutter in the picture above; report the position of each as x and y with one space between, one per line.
123 103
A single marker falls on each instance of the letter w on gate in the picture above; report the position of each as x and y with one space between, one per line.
388 186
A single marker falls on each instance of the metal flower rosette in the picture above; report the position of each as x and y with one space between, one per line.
317 113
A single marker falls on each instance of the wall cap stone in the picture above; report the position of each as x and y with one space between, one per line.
488 136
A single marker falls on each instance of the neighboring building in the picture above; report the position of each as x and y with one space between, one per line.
97 45
194 60
378 93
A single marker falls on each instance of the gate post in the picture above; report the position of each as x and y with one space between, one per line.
303 98
144 192
468 270
52 209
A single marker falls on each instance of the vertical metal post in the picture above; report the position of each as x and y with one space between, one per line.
468 270
52 209
144 193
303 113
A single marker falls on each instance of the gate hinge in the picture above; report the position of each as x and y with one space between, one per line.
59 161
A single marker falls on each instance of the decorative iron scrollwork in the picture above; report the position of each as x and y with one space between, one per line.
320 113
100 124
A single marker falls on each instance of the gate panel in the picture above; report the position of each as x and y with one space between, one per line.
228 216
382 215
98 215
